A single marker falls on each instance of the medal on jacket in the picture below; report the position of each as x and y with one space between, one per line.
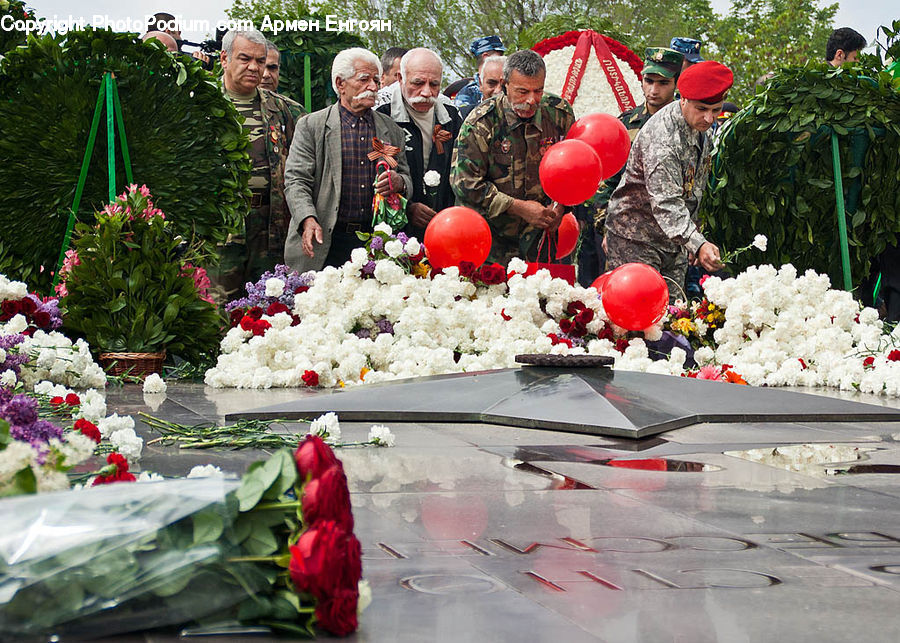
505 146
273 134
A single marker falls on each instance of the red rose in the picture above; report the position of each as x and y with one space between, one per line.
565 325
277 307
466 269
10 309
27 306
894 356
255 313
584 316
235 316
326 497
313 457
89 429
310 378
325 559
869 362
337 614
57 400
492 274
574 307
41 319
73 400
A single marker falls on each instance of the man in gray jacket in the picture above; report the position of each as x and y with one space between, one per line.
330 176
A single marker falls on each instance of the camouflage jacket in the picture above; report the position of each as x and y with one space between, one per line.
667 170
634 120
496 161
279 117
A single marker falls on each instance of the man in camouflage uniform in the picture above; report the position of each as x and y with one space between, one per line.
498 151
482 49
269 120
652 213
661 69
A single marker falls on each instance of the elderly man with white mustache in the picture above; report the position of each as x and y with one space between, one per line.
431 129
330 177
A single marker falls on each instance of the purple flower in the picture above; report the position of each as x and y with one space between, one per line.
369 268
385 326
10 341
256 291
402 238
37 434
20 410
364 333
376 244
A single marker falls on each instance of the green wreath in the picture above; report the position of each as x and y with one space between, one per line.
773 172
184 137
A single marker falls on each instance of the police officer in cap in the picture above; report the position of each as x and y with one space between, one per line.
690 48
482 49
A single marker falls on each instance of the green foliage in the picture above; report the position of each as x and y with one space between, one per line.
773 174
321 46
23 481
184 138
130 290
761 36
13 37
557 24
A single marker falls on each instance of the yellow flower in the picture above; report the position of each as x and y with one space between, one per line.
362 373
421 270
684 326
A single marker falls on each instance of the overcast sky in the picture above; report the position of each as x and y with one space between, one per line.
863 15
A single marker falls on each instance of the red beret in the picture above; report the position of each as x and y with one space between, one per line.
707 82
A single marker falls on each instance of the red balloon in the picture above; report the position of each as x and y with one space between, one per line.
635 296
570 172
600 281
607 136
455 235
567 235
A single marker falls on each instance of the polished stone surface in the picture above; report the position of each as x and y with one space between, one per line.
596 401
483 532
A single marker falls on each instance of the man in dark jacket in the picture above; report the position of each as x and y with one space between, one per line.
431 128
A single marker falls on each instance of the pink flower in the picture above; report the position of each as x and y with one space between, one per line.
703 279
145 191
709 373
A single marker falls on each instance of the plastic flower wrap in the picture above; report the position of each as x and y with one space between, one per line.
276 548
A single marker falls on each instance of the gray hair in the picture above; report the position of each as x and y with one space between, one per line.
252 35
526 62
494 60
344 62
271 46
418 51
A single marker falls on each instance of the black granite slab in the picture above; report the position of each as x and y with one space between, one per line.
595 401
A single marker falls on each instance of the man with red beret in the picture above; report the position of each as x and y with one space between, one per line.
652 214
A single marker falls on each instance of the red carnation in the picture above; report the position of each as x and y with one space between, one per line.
295 320
115 471
337 614
89 429
277 307
247 322
325 559
574 307
313 457
869 362
300 289
235 316
621 344
9 309
326 497
27 306
260 327
73 400
565 325
894 356
584 316
57 400
310 378
41 319
255 313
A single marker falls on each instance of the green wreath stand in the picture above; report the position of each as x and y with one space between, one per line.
109 96
185 142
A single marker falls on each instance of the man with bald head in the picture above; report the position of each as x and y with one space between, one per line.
163 37
431 128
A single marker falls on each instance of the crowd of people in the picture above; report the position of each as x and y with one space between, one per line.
482 139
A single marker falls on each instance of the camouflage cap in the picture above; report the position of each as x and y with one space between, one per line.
690 47
485 44
662 61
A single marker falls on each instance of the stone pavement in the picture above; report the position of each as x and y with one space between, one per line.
479 532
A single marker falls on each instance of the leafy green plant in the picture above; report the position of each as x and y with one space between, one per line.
10 38
128 288
184 138
773 173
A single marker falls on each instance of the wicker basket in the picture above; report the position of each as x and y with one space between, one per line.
136 364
